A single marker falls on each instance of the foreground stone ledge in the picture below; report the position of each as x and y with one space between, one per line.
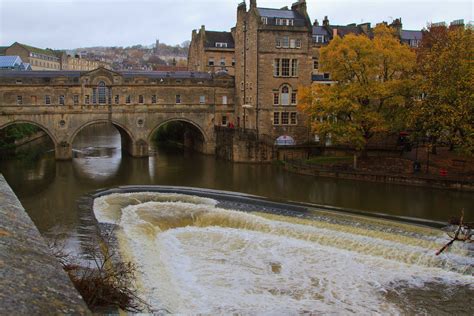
32 282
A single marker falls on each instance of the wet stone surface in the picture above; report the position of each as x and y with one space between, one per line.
32 282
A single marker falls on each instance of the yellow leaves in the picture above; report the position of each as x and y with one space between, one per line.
374 80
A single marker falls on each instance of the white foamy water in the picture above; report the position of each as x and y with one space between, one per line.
196 258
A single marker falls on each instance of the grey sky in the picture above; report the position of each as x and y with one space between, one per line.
84 23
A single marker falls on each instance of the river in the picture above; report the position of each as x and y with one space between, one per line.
180 242
49 189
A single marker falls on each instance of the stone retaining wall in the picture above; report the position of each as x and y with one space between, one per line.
385 178
32 281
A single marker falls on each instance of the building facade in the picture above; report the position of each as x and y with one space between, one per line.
274 52
273 59
39 59
212 51
48 59
76 62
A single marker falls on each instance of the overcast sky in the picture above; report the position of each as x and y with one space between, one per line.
66 24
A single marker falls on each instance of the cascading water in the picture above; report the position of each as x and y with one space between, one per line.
196 257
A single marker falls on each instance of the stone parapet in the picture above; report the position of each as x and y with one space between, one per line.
32 282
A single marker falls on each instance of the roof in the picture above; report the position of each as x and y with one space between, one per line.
37 50
10 61
170 68
166 74
411 35
320 30
280 13
126 74
213 37
40 74
25 66
347 29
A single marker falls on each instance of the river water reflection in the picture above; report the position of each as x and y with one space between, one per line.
49 189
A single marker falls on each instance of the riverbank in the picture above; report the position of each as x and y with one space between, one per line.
412 180
33 282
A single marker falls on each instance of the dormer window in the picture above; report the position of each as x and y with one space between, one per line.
264 20
414 43
221 45
284 22
318 39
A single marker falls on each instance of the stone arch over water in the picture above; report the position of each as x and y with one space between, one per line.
127 138
195 135
39 125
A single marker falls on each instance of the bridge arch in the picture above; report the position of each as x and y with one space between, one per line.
39 125
177 119
127 138
197 138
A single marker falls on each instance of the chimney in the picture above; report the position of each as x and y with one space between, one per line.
397 26
326 21
316 22
334 33
253 4
365 27
202 32
242 6
298 6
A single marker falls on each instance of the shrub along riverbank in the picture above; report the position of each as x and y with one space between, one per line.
10 135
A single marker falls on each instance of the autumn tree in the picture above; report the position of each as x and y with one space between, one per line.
446 71
373 85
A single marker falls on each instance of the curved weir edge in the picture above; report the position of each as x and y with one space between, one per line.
291 207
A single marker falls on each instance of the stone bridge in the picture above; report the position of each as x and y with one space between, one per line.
137 103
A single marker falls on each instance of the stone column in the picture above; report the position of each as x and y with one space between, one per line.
139 149
63 151
209 148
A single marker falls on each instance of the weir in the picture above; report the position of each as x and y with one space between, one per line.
213 252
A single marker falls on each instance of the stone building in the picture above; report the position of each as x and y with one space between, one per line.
48 59
38 58
273 59
76 62
273 53
212 51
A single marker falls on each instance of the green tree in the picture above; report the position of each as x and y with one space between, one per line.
373 88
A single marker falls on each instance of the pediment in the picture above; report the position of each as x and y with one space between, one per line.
102 74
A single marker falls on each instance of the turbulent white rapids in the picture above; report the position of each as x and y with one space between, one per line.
196 258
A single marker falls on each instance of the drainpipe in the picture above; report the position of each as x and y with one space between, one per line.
257 108
245 68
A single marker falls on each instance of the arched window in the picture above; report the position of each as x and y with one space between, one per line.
102 93
285 95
